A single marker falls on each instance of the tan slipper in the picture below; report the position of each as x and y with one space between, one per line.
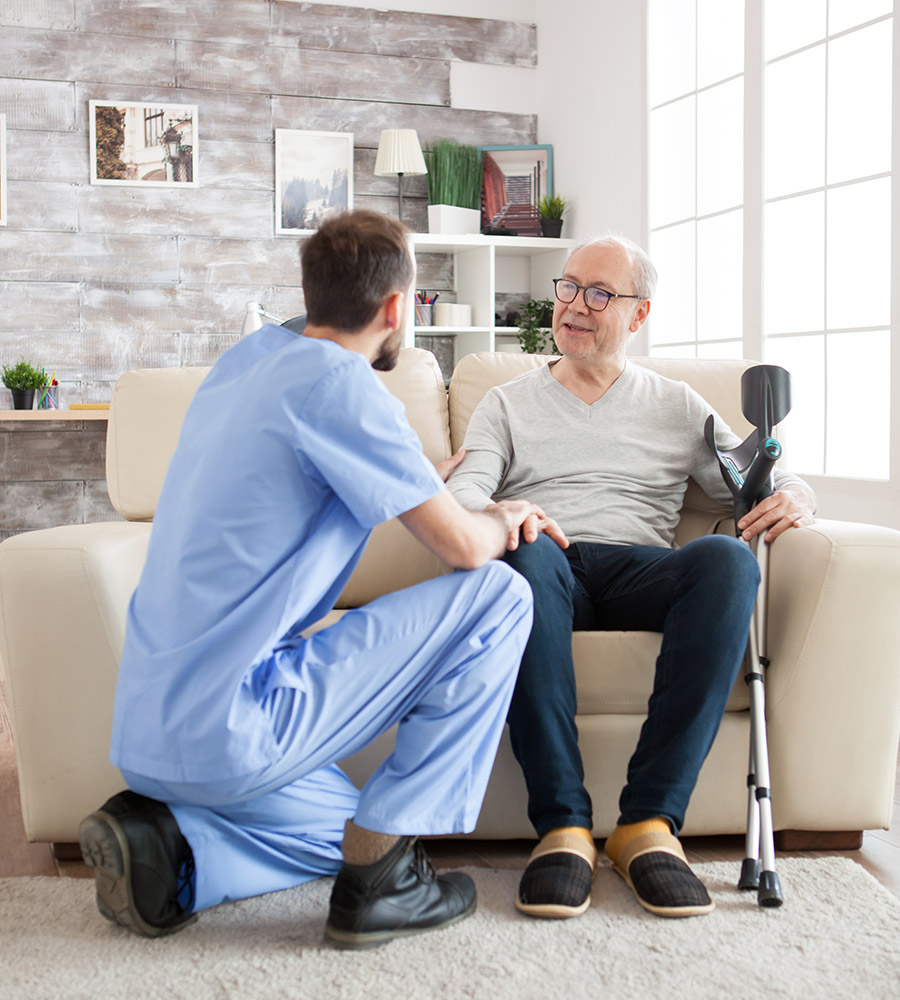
657 872
557 882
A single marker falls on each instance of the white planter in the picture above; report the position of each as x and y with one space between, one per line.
450 220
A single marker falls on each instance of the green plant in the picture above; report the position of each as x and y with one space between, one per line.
551 206
535 316
22 376
454 174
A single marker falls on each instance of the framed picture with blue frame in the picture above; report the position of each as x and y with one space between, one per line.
513 180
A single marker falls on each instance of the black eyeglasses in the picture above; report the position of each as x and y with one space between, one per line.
594 298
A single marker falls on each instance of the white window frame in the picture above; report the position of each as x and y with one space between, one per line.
840 497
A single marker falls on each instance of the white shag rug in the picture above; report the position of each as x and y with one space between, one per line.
837 935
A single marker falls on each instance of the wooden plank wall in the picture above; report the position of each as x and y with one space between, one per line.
95 280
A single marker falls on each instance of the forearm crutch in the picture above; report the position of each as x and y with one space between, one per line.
747 471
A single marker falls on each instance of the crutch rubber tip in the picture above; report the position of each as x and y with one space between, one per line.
769 890
749 874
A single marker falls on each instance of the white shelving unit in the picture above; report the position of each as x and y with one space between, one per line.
484 267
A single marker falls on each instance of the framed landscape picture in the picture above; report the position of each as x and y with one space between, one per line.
151 145
2 170
313 178
513 180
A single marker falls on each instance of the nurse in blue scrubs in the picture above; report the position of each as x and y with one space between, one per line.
228 722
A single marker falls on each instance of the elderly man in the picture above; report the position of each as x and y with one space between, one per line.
228 719
606 447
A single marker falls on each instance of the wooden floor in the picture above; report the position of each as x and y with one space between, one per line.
879 854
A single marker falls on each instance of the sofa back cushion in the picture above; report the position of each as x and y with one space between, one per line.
145 417
148 408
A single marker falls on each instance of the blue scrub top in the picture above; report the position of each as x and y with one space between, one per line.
290 453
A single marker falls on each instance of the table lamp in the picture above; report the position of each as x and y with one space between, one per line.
399 153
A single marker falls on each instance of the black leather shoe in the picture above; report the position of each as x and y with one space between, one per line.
142 864
395 897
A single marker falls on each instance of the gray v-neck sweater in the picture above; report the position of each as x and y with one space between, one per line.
613 471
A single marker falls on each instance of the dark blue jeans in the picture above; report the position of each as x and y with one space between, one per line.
700 597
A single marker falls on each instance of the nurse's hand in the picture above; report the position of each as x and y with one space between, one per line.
527 520
449 464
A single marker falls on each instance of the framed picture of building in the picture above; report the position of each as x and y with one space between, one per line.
313 178
2 170
152 145
513 180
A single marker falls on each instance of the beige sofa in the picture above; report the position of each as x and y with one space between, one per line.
834 632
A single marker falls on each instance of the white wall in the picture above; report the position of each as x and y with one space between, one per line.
591 108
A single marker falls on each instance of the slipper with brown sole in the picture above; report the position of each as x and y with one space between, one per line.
557 882
656 870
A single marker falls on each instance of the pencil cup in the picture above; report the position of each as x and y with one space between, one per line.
423 314
47 398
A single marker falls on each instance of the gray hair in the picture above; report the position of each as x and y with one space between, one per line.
644 272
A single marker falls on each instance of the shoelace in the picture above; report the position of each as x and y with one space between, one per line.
421 863
185 894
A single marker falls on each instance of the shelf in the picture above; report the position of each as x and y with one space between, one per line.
53 416
527 246
488 270
436 331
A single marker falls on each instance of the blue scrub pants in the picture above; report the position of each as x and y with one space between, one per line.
700 597
441 659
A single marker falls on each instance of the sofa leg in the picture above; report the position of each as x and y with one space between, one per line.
66 852
818 840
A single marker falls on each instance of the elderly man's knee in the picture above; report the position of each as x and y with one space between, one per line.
728 561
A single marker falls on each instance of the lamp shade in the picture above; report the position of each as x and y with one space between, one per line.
399 152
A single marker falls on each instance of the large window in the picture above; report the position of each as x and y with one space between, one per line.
769 206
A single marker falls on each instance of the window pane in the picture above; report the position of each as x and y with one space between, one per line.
859 255
684 351
720 147
859 414
803 431
794 264
672 316
720 277
846 13
859 103
733 349
720 40
791 24
795 123
672 162
671 55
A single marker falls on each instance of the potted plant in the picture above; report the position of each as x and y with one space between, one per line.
454 187
535 319
22 379
551 208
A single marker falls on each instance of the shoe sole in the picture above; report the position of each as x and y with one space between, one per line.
552 911
104 848
372 939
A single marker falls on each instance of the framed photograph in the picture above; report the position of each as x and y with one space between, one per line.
313 178
2 170
513 180
152 145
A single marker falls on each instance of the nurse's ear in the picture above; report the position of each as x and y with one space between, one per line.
394 311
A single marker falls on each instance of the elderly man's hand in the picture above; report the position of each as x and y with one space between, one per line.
787 508
449 464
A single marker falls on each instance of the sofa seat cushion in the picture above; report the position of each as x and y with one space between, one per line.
613 670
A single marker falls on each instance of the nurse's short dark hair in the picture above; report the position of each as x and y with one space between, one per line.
351 265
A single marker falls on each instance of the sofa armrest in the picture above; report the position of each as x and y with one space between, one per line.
64 593
833 688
